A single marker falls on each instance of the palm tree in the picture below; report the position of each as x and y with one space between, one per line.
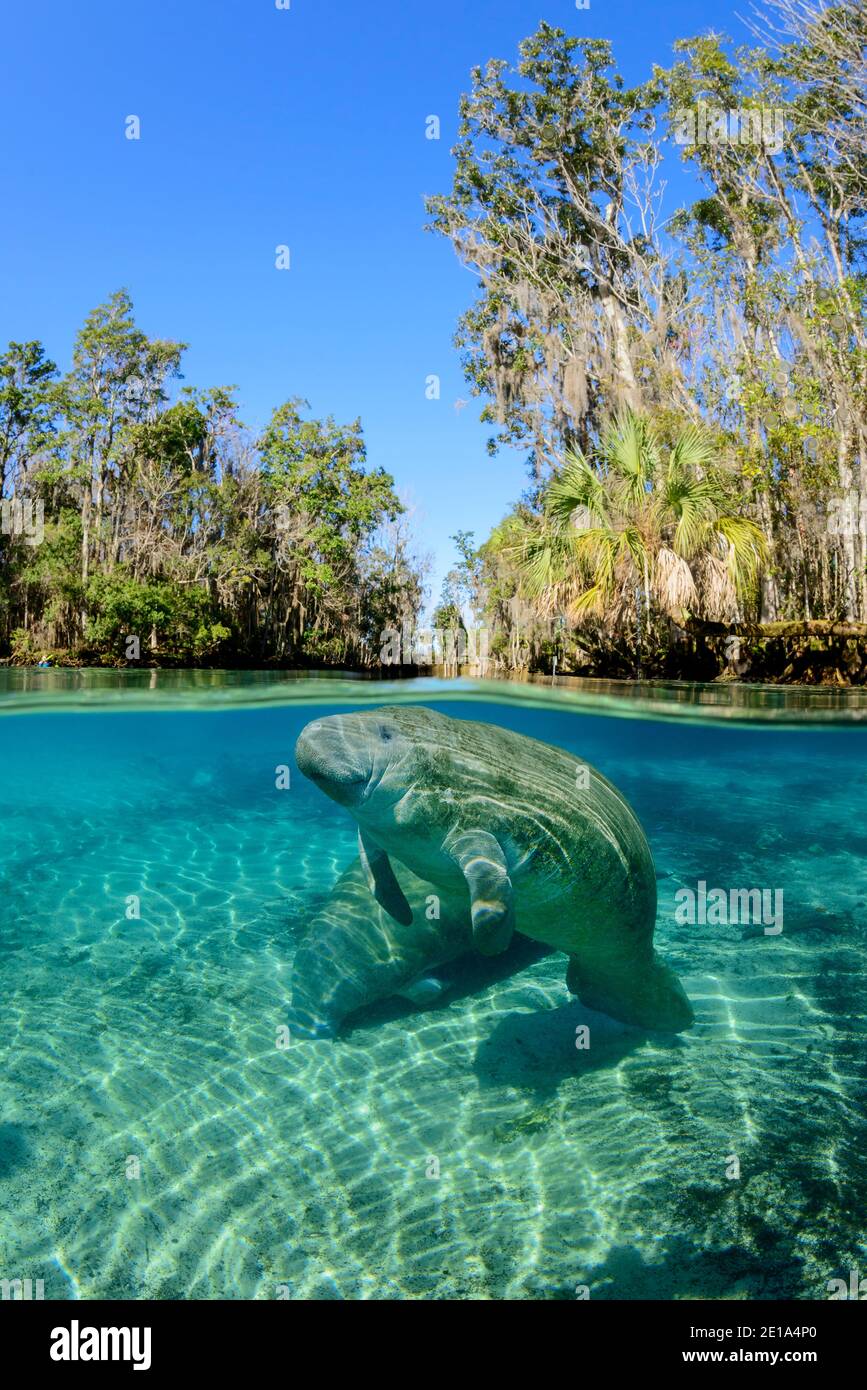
634 519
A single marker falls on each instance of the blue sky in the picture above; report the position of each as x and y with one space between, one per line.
262 127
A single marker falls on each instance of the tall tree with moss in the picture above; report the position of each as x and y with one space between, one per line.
554 206
777 245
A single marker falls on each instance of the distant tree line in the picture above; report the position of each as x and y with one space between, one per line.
141 524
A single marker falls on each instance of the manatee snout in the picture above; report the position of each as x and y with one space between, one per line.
327 753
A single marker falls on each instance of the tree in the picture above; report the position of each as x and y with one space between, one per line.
745 312
639 520
553 205
28 409
325 506
118 378
778 247
168 520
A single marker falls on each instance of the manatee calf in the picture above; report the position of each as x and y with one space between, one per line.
355 953
535 840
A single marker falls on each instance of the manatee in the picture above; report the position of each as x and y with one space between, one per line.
535 840
354 953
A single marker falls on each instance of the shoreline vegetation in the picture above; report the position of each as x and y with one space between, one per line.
786 654
689 391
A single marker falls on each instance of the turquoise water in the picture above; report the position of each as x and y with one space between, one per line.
155 1141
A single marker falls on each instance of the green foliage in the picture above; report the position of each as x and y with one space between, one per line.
176 619
164 520
23 647
323 649
639 517
743 313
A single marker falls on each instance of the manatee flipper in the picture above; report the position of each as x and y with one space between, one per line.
481 861
306 1023
383 884
425 989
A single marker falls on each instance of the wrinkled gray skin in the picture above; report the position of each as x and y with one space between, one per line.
355 953
503 819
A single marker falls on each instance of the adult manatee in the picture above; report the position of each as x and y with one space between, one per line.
537 841
354 953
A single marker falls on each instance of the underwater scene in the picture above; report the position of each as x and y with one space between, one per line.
499 1045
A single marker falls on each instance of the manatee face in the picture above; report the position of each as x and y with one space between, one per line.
351 756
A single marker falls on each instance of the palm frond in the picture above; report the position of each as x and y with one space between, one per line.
625 516
674 583
747 551
576 488
630 452
693 449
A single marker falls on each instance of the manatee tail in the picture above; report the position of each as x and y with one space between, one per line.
648 995
305 1023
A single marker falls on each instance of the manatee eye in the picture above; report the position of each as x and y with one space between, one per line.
384 733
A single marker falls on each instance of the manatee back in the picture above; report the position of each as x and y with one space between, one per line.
583 863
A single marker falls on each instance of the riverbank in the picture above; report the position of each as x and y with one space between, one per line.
786 654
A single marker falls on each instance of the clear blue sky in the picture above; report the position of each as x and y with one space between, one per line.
259 127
